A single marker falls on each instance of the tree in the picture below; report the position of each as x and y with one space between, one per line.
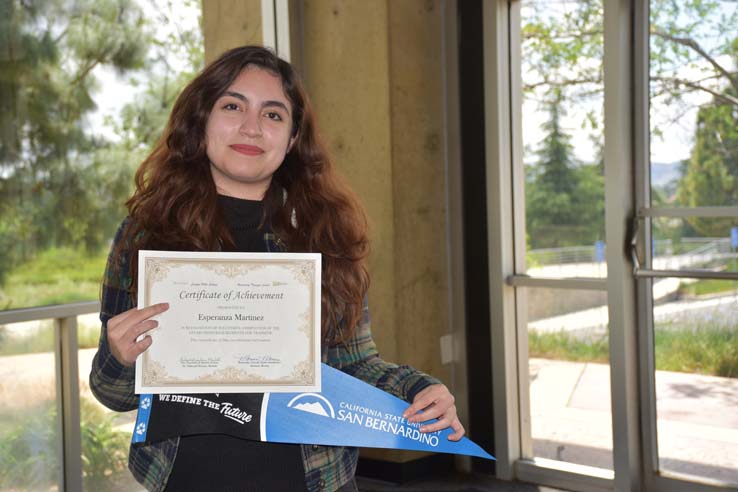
712 172
563 49
46 90
693 49
60 183
562 196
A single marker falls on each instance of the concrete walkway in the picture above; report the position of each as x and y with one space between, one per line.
697 418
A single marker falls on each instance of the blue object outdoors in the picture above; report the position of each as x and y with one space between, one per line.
734 237
600 251
347 412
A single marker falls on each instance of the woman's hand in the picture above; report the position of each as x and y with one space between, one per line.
124 329
436 402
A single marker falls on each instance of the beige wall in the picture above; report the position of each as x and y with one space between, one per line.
374 75
373 72
230 23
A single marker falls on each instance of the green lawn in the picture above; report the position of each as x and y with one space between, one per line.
711 286
55 276
711 350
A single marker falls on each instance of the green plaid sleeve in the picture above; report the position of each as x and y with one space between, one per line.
111 382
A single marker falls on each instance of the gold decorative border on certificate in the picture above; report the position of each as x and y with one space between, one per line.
158 268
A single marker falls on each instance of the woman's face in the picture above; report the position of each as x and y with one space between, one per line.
249 131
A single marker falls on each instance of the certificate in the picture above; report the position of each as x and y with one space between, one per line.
236 323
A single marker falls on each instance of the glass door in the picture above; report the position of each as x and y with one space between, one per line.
685 249
560 278
626 358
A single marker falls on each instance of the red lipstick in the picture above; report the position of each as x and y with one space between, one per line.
247 149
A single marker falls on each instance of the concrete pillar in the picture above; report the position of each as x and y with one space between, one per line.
374 75
347 75
418 182
227 24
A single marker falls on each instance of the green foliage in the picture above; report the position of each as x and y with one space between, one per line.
681 44
55 276
42 340
562 55
564 346
29 451
708 349
700 349
705 287
61 184
50 187
712 171
564 200
694 35
29 457
104 449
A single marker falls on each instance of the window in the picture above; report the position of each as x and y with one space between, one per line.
636 101
85 91
87 88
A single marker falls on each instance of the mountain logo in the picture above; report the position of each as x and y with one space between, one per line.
313 403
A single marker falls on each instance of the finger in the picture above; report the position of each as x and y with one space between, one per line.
411 410
436 426
145 313
142 344
140 347
134 314
435 411
421 402
432 408
137 330
127 357
458 431
115 321
423 399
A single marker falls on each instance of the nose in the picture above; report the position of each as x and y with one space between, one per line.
250 124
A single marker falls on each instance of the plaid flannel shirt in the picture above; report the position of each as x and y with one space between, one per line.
326 467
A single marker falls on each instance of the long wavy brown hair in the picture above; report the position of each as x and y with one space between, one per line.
309 207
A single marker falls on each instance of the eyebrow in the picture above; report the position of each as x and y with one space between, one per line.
265 104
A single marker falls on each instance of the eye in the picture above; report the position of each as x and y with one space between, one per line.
274 116
230 106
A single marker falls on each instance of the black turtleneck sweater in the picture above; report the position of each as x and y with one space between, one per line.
243 218
220 462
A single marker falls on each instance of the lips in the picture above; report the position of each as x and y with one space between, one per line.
247 149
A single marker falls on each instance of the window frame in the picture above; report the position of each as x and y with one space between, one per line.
627 190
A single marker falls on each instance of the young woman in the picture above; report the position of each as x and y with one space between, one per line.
239 167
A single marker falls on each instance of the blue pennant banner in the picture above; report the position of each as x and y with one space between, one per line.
347 412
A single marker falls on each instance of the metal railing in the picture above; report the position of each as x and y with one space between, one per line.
691 246
68 413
